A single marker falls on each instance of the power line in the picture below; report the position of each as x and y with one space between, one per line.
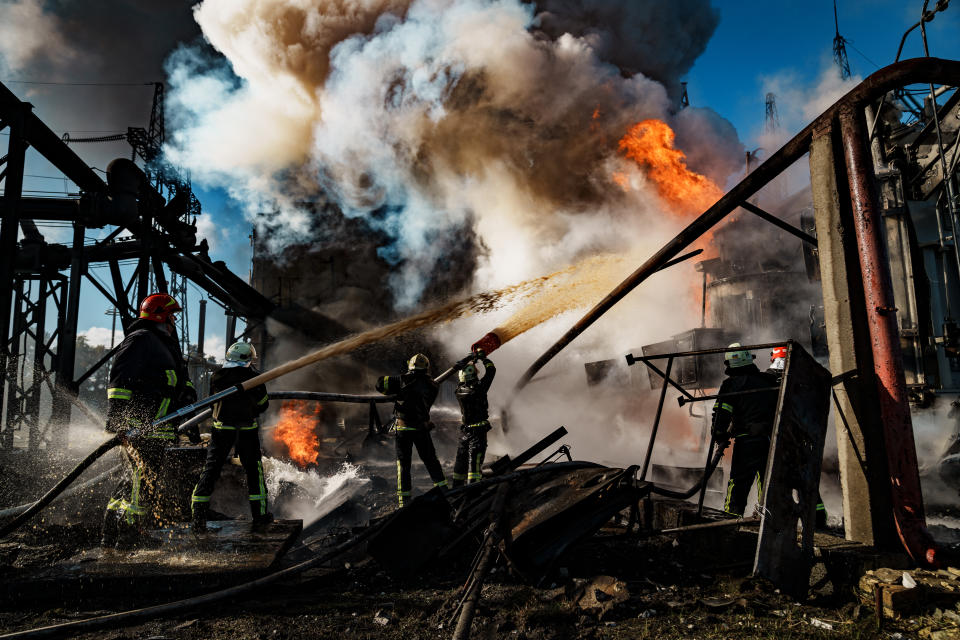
36 175
862 54
81 84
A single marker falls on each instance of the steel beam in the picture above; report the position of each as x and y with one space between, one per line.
47 143
873 87
201 329
894 402
66 386
15 116
777 222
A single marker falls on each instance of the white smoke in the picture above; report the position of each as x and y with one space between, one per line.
432 118
426 118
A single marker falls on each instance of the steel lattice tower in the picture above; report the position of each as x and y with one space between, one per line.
771 122
840 47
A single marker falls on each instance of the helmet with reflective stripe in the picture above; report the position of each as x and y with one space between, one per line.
158 307
778 352
241 354
418 362
468 373
736 357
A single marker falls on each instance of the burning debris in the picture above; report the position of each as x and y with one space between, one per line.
296 428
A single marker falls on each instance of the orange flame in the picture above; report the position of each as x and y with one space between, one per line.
297 429
650 144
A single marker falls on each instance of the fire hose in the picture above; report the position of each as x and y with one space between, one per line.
30 510
15 511
707 472
275 373
109 444
135 616
58 488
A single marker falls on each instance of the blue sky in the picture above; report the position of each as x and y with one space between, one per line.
756 45
757 41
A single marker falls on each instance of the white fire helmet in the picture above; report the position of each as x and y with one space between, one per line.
468 373
737 357
240 354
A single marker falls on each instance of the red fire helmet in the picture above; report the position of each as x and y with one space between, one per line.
778 352
158 307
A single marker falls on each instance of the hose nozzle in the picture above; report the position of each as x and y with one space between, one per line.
489 343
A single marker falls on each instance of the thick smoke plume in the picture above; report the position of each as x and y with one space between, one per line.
432 119
433 116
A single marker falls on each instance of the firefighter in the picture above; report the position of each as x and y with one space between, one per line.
748 419
778 364
235 425
472 395
148 380
415 391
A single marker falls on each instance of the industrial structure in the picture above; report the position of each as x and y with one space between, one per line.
857 278
149 215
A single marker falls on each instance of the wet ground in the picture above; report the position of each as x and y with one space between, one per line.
663 598
652 587
662 591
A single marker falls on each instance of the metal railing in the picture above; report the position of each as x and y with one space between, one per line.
687 397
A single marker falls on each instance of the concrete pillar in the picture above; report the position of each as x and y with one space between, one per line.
867 512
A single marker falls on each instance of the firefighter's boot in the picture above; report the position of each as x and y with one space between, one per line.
199 519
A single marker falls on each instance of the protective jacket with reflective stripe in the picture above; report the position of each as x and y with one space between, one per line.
748 414
472 396
148 378
241 409
415 391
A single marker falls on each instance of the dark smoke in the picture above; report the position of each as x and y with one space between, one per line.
661 40
96 41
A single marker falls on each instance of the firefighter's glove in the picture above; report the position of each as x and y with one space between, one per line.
193 435
720 436
461 363
187 396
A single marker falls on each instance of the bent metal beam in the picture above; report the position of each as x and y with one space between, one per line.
897 426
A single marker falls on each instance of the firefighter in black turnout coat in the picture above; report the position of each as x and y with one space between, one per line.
472 395
235 423
148 380
415 391
749 420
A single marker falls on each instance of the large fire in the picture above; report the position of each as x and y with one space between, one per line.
297 429
650 144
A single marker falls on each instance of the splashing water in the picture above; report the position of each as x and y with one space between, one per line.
579 286
326 493
591 274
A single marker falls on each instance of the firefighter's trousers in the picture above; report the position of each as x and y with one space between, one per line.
136 500
749 463
407 438
470 452
247 442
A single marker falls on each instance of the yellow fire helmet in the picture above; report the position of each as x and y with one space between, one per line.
418 362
